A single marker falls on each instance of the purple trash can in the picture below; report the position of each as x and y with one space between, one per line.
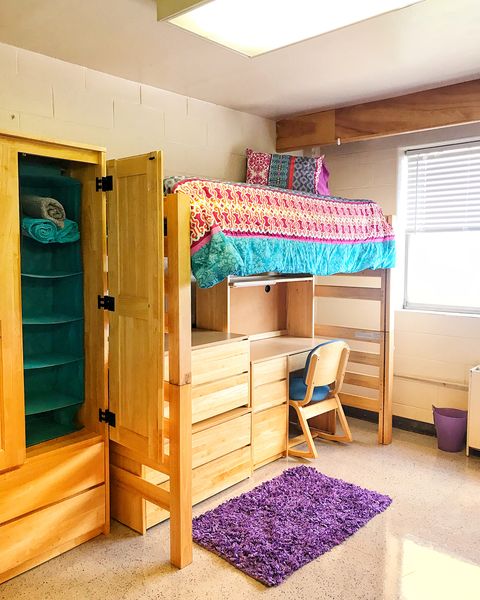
451 426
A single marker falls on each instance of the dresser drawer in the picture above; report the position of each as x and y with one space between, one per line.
269 371
269 435
212 443
269 394
217 397
209 479
219 362
52 476
43 534
296 362
221 439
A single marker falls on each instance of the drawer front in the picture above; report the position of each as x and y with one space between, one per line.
269 371
217 397
296 362
217 441
51 477
210 444
48 532
218 362
269 394
210 479
269 433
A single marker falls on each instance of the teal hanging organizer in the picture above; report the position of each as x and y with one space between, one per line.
52 313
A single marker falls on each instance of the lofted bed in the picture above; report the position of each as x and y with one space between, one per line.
262 259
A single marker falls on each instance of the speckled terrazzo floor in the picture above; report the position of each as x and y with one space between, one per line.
425 546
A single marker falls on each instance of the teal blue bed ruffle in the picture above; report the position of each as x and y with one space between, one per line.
228 255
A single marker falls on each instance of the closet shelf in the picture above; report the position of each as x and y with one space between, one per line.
47 179
45 428
40 402
53 359
52 274
51 319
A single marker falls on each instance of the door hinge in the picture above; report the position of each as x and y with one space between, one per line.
105 416
104 184
106 302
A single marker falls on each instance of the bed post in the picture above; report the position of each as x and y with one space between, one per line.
177 210
386 416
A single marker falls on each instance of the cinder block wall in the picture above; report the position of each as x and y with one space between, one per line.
46 97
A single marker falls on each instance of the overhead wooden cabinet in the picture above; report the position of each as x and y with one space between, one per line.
55 410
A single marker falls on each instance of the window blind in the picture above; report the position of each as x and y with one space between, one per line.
443 191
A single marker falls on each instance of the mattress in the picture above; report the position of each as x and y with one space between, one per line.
243 229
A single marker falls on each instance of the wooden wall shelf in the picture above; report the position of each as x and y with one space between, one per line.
456 104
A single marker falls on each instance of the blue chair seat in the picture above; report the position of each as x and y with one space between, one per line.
298 389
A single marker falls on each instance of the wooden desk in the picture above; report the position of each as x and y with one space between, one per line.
272 359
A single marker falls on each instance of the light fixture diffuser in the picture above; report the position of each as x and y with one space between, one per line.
253 27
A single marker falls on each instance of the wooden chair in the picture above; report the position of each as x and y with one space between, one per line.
316 393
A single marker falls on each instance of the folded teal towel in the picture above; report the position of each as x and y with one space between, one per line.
41 230
69 233
46 232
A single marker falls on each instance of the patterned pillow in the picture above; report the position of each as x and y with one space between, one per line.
170 182
300 173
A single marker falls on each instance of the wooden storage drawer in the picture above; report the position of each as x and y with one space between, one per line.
269 435
269 394
209 444
221 361
43 534
220 396
269 371
296 362
209 479
51 476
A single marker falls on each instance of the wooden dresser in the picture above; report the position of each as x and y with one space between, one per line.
221 429
276 311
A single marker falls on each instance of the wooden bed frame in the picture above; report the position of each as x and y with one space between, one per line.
381 338
169 447
287 314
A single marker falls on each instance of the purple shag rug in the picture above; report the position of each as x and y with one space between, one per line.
283 524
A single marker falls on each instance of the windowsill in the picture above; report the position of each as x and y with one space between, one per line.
437 312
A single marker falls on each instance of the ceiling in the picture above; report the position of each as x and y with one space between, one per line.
432 43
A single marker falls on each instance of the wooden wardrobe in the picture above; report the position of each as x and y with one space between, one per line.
65 310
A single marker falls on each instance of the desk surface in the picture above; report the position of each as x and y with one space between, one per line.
283 345
203 338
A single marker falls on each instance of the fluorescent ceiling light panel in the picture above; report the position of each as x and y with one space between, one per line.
254 27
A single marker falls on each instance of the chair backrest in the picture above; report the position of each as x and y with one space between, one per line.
326 364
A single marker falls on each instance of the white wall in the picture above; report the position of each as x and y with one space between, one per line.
428 346
47 97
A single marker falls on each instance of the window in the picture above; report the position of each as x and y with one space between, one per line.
443 229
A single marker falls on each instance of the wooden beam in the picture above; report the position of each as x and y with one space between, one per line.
456 104
306 130
440 107
180 475
348 333
137 485
343 291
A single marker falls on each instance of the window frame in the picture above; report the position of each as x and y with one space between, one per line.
419 306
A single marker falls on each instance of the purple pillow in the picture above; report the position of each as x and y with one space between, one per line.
299 173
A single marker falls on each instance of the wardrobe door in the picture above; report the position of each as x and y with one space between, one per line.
12 411
135 280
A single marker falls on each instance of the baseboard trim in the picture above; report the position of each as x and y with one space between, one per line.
398 422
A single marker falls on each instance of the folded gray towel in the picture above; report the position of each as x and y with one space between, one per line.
44 208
